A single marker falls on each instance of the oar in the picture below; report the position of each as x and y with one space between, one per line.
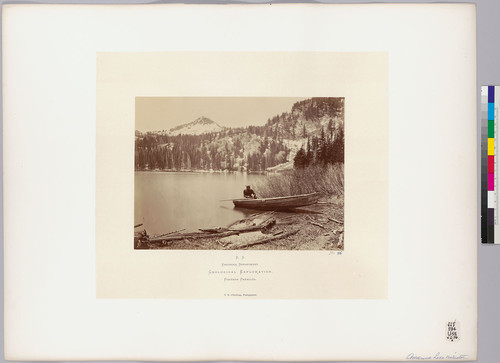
226 200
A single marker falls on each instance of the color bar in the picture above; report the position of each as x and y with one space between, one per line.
491 175
486 216
488 166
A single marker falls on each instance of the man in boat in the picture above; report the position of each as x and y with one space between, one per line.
249 193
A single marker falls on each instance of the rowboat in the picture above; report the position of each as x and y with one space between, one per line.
278 203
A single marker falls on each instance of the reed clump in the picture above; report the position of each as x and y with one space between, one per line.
327 180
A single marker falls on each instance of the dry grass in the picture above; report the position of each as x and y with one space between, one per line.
327 180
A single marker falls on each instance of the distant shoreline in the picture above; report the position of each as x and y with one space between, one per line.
202 171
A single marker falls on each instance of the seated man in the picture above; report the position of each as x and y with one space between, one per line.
249 193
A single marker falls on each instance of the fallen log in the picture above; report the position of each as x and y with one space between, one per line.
317 224
285 223
195 236
256 228
214 230
334 220
303 211
246 229
169 233
174 237
262 241
269 224
250 220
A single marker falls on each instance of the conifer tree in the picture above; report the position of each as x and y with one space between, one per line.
300 159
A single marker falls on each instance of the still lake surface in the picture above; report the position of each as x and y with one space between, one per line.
169 201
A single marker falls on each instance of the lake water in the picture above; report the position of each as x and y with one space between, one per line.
166 201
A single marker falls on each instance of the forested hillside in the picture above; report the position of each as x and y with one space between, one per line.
314 126
231 149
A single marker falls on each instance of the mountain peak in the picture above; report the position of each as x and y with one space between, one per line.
199 126
203 121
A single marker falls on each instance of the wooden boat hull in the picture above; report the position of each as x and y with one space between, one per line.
279 203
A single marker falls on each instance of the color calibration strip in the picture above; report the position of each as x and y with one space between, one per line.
489 171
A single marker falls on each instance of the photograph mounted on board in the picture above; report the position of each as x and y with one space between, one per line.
230 173
213 177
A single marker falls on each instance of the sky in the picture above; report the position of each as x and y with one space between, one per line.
163 113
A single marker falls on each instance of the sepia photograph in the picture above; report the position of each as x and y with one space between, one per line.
238 179
257 173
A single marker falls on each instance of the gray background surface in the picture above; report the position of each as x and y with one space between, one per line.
488 73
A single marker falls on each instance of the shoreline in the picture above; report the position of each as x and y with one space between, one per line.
202 171
318 227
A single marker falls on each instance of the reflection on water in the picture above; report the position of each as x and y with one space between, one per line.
166 201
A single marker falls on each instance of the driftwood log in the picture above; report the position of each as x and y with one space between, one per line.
249 220
285 223
268 223
317 224
194 236
262 241
265 224
169 233
334 220
213 230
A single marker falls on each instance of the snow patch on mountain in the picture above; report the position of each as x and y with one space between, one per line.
201 125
